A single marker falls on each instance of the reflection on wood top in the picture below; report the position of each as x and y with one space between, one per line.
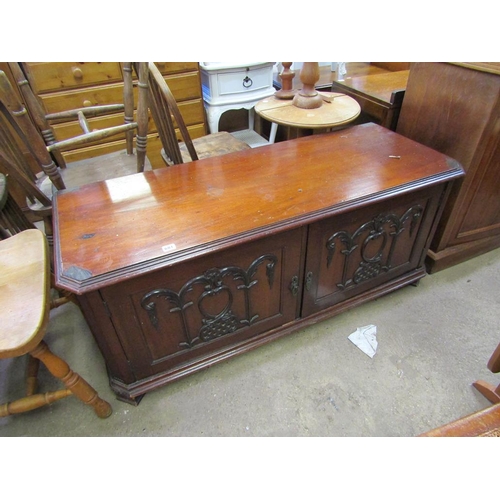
379 86
109 229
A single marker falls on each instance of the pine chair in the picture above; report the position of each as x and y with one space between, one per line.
19 134
43 121
12 218
24 314
167 118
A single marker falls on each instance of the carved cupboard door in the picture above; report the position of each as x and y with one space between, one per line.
355 252
195 310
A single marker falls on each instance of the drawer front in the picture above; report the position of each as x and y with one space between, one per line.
244 81
182 314
176 67
183 87
50 77
83 98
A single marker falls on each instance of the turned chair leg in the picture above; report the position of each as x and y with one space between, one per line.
32 401
489 391
32 376
76 384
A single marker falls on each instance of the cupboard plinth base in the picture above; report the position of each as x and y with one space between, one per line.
451 256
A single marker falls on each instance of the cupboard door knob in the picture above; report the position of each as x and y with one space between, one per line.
77 73
294 286
87 103
247 82
309 278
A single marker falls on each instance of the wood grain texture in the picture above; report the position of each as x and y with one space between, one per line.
115 229
24 280
455 109
484 423
339 110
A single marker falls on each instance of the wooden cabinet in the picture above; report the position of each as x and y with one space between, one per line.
70 85
184 267
380 95
455 109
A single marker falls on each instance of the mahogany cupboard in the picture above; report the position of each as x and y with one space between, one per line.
179 268
455 109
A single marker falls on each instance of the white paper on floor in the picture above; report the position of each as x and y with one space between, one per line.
365 337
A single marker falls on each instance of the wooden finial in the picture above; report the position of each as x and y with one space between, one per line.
308 97
286 76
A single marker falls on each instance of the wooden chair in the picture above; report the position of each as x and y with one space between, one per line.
24 314
43 121
19 134
12 218
489 391
483 423
167 117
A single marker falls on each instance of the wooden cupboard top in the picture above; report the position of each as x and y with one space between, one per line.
113 230
380 87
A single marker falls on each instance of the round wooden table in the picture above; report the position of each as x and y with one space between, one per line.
337 110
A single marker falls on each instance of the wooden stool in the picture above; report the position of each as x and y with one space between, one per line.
24 316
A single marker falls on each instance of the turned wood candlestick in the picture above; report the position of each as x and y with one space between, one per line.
308 97
286 77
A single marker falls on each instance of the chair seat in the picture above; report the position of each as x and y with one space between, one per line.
24 283
100 168
218 144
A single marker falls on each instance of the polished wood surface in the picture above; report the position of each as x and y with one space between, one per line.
380 87
174 213
379 95
455 109
337 110
180 268
484 423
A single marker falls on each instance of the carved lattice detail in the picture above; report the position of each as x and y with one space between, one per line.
371 266
225 321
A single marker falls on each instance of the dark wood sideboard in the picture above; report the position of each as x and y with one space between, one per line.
179 268
455 109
